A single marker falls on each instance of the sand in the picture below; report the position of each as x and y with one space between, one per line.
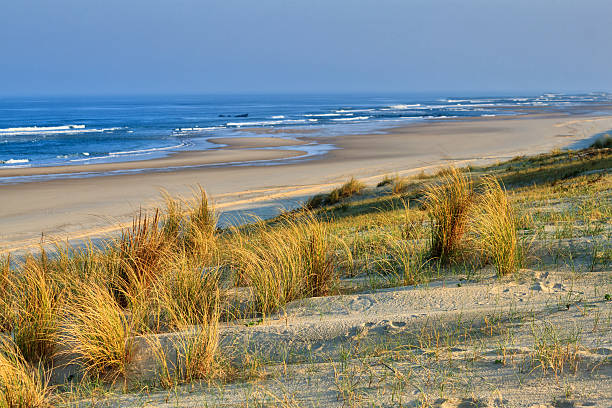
473 345
75 208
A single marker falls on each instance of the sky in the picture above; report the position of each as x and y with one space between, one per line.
85 47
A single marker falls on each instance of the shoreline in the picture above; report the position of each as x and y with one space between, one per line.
262 149
82 208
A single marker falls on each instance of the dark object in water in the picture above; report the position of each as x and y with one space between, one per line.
243 115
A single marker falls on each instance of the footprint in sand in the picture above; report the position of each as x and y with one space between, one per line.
360 304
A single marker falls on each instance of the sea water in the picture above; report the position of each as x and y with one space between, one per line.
52 131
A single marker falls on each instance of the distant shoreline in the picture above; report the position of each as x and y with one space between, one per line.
258 147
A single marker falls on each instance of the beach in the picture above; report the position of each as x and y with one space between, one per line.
263 174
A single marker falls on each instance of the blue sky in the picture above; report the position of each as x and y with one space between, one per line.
236 46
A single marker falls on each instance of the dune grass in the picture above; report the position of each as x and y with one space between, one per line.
603 142
98 333
400 185
292 261
448 204
31 303
496 226
170 271
347 190
21 385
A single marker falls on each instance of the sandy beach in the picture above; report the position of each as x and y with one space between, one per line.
74 207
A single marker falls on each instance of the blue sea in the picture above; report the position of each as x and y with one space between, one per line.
49 131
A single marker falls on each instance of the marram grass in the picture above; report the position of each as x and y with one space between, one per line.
496 227
32 301
21 385
292 261
448 205
98 333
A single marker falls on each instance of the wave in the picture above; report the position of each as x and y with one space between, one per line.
187 131
277 117
353 118
49 130
14 161
111 155
322 115
354 110
404 107
270 122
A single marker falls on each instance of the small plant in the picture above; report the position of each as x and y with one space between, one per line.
347 190
316 201
554 351
173 219
496 225
21 386
603 142
400 185
448 204
387 180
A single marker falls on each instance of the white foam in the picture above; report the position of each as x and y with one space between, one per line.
15 161
350 119
50 130
128 152
404 107
195 129
322 115
354 110
277 117
269 122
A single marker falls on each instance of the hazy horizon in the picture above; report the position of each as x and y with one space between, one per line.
189 47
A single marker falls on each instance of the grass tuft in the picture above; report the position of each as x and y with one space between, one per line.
98 332
21 386
143 251
292 261
448 204
496 225
347 190
400 185
32 304
603 142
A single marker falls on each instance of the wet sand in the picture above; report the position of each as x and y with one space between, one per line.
95 206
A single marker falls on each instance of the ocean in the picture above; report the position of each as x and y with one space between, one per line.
52 131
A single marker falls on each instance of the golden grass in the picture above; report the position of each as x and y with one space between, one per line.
21 386
496 227
554 350
32 304
347 190
142 250
448 204
98 332
167 271
189 292
400 185
292 261
190 298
